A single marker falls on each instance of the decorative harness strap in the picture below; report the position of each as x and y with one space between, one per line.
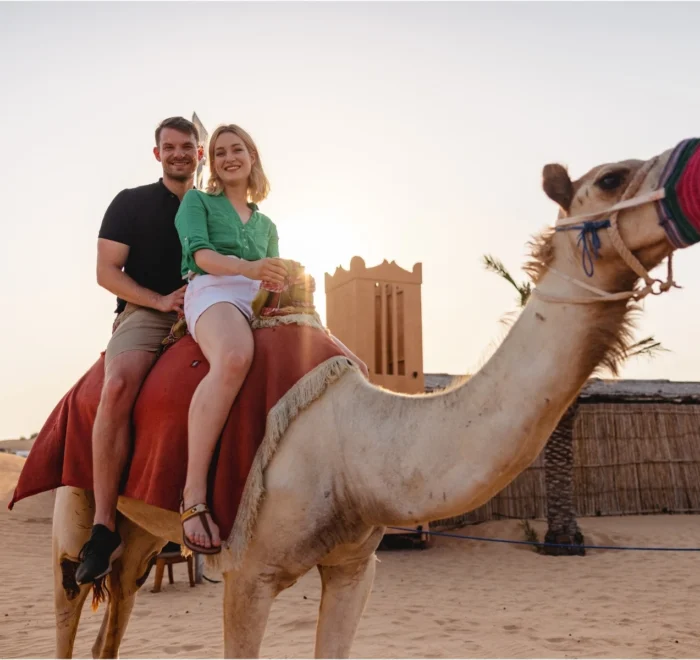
589 229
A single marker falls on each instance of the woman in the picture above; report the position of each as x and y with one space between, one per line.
228 247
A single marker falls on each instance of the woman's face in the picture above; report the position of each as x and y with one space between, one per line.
232 160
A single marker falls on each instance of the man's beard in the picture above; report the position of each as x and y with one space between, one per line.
179 176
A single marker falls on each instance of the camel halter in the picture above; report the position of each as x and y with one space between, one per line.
678 206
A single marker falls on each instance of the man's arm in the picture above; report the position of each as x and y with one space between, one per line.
111 257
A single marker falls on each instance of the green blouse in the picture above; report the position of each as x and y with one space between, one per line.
210 222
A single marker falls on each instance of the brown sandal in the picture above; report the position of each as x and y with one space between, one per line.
200 510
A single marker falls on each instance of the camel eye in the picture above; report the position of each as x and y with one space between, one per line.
611 181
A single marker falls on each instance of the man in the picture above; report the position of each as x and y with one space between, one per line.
138 260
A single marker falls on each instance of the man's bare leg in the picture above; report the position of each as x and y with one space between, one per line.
111 439
124 375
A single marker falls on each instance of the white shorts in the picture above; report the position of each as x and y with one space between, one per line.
204 291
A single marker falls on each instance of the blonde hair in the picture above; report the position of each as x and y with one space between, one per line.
258 185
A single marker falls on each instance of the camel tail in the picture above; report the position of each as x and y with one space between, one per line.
99 592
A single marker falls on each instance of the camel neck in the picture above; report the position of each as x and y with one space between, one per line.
452 452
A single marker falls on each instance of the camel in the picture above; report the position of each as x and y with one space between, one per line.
361 458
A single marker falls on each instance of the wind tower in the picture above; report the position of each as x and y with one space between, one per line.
376 313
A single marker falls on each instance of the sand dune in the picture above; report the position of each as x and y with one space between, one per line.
457 599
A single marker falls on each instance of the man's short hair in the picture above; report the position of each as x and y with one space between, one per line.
179 124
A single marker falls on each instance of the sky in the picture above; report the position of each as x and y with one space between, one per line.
413 132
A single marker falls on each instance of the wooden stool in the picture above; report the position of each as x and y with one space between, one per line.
168 559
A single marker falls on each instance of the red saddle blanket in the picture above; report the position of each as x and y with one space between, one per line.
62 453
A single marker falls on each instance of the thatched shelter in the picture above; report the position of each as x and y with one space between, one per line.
636 451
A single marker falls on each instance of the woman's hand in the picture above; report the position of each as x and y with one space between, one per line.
269 268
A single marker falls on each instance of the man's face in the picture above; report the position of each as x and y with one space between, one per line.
178 153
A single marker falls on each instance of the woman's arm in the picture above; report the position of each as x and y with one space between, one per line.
273 246
197 249
193 230
214 263
264 269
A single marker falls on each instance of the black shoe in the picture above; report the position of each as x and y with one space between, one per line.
98 553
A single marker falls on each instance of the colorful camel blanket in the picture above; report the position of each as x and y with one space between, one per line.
295 296
293 363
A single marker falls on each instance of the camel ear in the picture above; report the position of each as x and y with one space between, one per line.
557 185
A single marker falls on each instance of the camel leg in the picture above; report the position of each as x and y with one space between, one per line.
345 591
247 603
68 603
128 574
72 521
116 617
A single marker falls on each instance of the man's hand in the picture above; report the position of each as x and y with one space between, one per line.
269 268
173 301
111 257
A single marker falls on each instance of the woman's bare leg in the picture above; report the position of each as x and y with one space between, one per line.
226 340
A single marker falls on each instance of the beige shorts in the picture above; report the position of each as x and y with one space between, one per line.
139 329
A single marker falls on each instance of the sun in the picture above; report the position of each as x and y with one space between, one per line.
319 240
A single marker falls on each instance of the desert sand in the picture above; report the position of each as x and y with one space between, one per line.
459 598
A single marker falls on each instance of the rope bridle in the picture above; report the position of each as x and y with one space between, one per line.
588 226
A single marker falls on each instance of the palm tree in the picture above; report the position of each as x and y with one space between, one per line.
562 527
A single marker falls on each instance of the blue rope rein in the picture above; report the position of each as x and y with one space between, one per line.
588 229
550 545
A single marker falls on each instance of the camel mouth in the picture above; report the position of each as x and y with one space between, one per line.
679 210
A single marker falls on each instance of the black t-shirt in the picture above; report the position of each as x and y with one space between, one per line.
144 219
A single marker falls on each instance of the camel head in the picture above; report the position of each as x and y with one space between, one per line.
615 224
620 220
598 190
